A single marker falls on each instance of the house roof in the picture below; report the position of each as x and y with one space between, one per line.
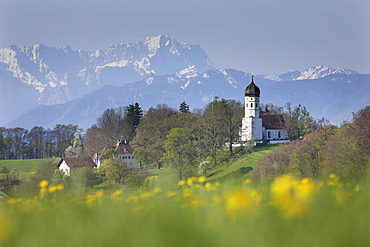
273 121
120 148
78 161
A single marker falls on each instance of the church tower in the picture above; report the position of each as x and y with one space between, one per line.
251 123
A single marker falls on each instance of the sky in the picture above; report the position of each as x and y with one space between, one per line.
255 36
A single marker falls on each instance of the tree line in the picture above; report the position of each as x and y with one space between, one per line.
182 140
343 151
37 143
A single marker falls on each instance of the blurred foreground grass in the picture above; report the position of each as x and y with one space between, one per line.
287 212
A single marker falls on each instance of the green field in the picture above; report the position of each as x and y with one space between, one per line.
25 168
240 166
223 210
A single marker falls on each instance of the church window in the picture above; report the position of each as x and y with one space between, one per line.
251 105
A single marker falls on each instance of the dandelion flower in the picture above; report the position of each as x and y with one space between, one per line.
291 195
44 183
181 183
242 199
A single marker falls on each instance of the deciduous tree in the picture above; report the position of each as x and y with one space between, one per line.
180 154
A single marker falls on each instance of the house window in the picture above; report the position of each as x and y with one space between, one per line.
269 134
251 105
256 105
279 135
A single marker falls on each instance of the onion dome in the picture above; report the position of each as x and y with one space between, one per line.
252 90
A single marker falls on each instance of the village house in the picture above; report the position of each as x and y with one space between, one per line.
67 165
268 128
123 151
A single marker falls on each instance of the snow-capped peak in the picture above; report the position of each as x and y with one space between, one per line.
322 71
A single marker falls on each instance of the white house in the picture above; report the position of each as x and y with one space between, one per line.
123 151
260 128
67 165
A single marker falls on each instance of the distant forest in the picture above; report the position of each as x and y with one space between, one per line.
37 143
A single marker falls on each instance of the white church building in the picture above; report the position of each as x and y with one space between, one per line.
260 127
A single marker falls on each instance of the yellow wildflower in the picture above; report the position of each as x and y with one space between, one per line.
52 189
201 179
191 180
181 183
60 187
145 195
44 184
24 205
90 198
132 199
115 195
156 190
242 199
171 193
334 181
292 196
248 181
209 186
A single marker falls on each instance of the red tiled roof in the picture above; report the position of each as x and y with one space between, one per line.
120 148
273 121
78 161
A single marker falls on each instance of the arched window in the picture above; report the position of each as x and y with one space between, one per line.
251 105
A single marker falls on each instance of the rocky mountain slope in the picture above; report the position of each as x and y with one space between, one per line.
55 76
45 86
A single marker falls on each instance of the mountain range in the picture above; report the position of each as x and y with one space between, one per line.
44 86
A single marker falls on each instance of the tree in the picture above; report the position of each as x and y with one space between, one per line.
134 113
361 126
233 117
343 155
180 153
184 108
213 131
112 124
298 122
153 129
36 142
94 140
83 179
115 171
46 170
64 135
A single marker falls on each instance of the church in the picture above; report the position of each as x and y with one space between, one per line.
260 128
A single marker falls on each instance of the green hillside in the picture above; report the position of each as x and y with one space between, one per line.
239 167
25 168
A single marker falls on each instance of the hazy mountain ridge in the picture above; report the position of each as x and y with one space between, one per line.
61 75
333 97
316 72
68 86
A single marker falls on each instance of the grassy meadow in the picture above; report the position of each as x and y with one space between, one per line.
225 209
26 168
